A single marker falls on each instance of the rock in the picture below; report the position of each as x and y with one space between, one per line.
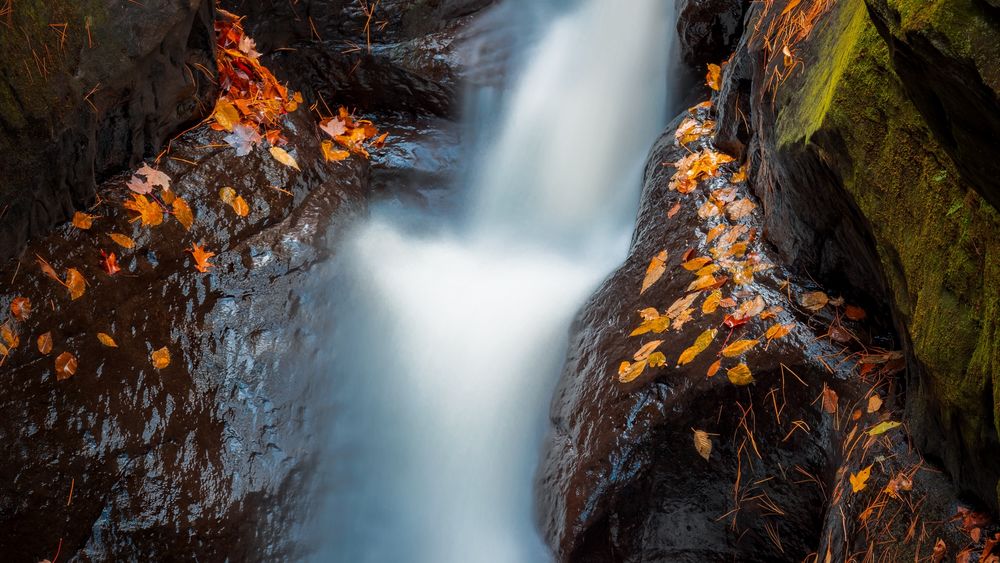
83 101
865 185
203 459
709 30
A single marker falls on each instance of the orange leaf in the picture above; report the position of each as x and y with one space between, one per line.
714 77
331 154
714 368
201 257
738 347
830 400
161 358
855 313
107 340
149 211
655 269
20 307
740 209
778 331
714 233
673 210
859 480
9 336
696 263
122 240
874 403
48 270
240 206
711 302
45 343
65 366
629 372
75 283
110 263
82 220
183 213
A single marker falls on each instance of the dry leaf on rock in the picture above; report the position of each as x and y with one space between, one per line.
703 444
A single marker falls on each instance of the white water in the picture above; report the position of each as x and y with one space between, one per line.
451 341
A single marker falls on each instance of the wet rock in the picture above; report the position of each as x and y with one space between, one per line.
870 191
203 459
83 101
709 30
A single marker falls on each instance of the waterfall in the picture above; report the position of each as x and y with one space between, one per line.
450 337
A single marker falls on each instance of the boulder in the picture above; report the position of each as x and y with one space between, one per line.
709 29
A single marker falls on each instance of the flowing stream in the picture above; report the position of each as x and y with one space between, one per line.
451 332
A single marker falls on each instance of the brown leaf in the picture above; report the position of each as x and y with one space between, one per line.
45 343
814 301
830 400
82 220
9 336
161 358
940 551
48 270
654 271
855 313
703 444
75 283
20 308
740 209
183 213
673 210
65 366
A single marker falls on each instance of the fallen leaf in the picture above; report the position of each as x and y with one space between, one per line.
898 483
874 403
681 304
149 211
699 346
750 309
226 114
814 301
740 175
243 139
45 343
629 372
739 347
20 308
107 340
282 156
714 233
75 283
703 444
110 263
707 270
740 375
696 263
331 154
154 177
65 366
380 142
9 336
227 195
778 331
704 282
183 213
740 209
82 220
714 368
830 400
708 210
240 206
714 77
48 270
656 359
859 480
855 313
711 302
673 210
334 127
201 257
883 427
654 271
161 358
646 350
122 240
940 550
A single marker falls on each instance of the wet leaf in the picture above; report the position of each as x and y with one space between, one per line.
629 372
646 350
149 211
243 139
201 257
154 177
704 282
711 302
703 444
122 240
778 331
654 271
883 427
708 210
699 346
898 483
227 195
82 220
240 206
9 336
740 175
830 400
75 283
183 213
740 375
714 368
707 270
940 551
714 233
673 210
874 403
814 301
20 308
65 366
680 305
750 309
739 347
855 313
691 130
657 325
740 209
45 343
110 263
333 155
380 142
48 270
107 340
282 156
161 358
696 263
859 480
226 114
714 77
334 127
656 359
682 318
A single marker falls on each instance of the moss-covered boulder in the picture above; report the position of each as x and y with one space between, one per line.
876 161
86 89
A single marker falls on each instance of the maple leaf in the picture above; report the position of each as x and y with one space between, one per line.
740 209
859 480
65 366
654 271
149 211
75 283
110 263
106 340
714 77
702 444
82 220
282 156
740 375
201 257
139 186
183 213
20 308
243 139
45 343
334 127
154 177
161 358
331 154
699 346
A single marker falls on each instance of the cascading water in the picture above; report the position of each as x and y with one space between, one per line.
450 338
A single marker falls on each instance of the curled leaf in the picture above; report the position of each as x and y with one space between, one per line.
161 358
75 283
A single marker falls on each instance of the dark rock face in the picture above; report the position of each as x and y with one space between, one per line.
203 459
80 102
709 30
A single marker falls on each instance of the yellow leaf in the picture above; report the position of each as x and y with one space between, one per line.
696 263
738 347
655 269
183 213
699 346
122 240
702 444
740 375
240 206
107 340
9 336
714 77
149 211
282 156
656 325
778 331
751 308
161 358
75 283
702 283
226 114
227 195
711 302
656 359
331 154
714 233
65 366
45 343
707 270
82 220
874 403
859 480
646 350
649 313
740 175
883 427
632 371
